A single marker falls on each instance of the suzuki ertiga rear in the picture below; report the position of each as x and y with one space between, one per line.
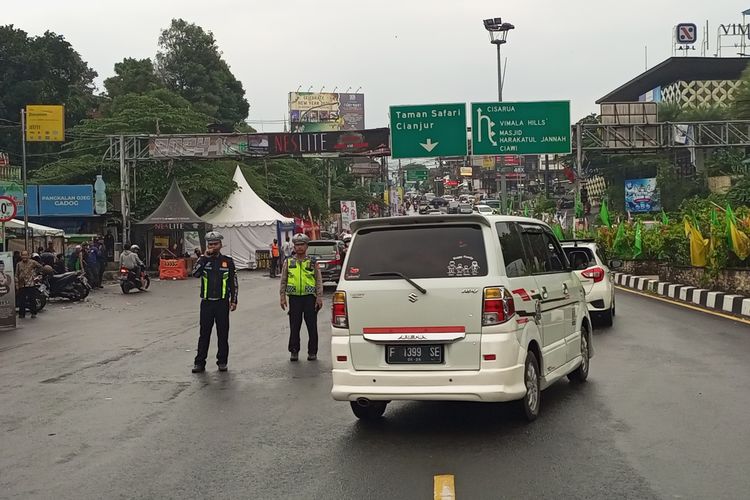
414 312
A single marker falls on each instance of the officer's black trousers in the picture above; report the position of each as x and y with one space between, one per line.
214 311
303 307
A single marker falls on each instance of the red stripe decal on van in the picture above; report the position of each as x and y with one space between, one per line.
415 329
522 293
522 321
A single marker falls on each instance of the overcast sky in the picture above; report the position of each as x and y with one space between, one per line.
397 51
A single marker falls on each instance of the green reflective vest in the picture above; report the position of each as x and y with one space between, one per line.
300 277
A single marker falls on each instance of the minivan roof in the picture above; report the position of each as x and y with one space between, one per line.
417 220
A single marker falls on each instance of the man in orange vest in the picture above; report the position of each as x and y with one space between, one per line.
274 258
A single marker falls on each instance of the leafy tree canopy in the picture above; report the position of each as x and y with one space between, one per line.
189 63
132 76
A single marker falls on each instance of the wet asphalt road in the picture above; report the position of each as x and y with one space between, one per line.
97 401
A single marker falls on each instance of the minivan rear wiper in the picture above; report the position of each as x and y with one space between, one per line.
399 275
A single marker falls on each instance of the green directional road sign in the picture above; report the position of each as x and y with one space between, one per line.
520 128
417 175
428 130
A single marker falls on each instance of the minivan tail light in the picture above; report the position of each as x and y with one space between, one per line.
595 273
497 307
339 316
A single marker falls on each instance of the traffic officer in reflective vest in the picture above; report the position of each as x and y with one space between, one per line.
218 297
302 282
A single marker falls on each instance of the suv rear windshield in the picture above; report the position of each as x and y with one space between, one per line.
440 251
319 249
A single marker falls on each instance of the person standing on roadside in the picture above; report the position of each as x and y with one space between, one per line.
287 248
91 262
302 282
26 270
101 260
274 258
219 291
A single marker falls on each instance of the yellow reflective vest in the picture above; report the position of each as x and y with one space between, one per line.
301 277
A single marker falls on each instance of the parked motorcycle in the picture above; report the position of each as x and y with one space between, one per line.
42 292
72 285
129 280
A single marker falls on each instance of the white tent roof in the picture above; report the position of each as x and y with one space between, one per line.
38 229
243 208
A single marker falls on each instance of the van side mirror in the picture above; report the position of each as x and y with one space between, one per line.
615 264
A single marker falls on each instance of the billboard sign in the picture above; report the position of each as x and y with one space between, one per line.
348 213
467 171
66 200
45 123
519 128
326 111
642 196
7 291
208 146
14 190
371 142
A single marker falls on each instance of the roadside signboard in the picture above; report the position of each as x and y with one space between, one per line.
429 130
7 208
45 123
7 291
348 213
416 175
521 128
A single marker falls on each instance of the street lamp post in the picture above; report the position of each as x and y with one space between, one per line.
498 31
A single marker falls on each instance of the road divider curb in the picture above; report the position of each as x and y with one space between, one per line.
719 301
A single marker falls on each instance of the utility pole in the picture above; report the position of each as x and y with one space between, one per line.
328 163
123 192
25 184
579 161
546 176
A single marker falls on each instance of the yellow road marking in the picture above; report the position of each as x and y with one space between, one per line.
685 305
445 487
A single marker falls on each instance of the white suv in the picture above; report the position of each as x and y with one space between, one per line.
456 307
588 263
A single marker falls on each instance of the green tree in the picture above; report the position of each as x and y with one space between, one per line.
741 105
189 63
136 76
43 69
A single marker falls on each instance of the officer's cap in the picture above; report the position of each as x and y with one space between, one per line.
214 236
300 238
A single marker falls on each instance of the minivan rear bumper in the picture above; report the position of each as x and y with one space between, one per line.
488 385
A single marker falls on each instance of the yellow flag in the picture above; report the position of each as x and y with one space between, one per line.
740 242
698 245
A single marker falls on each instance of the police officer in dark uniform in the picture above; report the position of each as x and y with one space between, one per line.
218 297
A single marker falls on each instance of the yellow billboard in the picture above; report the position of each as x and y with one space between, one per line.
45 123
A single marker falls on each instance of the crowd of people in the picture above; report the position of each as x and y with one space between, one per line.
88 257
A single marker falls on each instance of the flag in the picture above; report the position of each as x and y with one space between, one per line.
526 210
558 232
638 246
579 207
604 214
698 244
664 218
714 217
619 239
730 219
738 241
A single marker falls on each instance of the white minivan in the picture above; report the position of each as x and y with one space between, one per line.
456 307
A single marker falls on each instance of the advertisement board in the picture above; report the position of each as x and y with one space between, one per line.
348 213
7 291
66 200
208 146
45 123
15 190
326 111
642 196
372 142
467 171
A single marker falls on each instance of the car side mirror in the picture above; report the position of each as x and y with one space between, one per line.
615 264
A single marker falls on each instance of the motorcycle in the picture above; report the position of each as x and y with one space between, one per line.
129 280
72 286
42 292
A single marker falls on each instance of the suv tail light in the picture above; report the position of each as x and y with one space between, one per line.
124 270
497 307
339 316
595 273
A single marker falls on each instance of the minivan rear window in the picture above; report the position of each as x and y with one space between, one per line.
439 251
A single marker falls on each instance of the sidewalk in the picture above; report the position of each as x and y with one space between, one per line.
719 301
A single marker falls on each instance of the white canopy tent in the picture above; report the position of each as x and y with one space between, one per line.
40 235
247 223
